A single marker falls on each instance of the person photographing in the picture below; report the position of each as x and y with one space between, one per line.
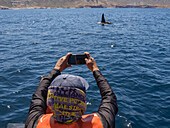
60 100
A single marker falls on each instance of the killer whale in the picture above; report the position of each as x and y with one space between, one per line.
103 21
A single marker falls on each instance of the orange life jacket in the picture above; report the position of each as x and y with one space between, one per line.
87 121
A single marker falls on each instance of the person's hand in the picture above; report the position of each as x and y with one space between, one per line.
90 62
62 63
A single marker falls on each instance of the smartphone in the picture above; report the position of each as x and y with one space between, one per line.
77 59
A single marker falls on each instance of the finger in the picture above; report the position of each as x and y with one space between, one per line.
68 55
86 60
89 61
88 54
61 58
92 58
69 65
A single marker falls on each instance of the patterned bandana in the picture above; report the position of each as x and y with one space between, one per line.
66 103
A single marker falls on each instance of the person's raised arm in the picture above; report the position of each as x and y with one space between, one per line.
108 107
38 103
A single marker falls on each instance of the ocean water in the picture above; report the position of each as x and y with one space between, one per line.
133 54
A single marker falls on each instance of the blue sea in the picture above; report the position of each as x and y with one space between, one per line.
133 54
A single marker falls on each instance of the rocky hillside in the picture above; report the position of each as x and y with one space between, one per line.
4 4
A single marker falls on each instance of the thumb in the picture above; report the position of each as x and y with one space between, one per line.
68 55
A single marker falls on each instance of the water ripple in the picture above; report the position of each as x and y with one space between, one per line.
133 55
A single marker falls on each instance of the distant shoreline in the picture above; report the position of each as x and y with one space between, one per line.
89 6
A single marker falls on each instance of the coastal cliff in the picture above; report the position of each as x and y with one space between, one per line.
12 4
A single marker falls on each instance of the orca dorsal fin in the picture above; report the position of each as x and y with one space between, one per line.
103 20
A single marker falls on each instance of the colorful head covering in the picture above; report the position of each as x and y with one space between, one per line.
66 98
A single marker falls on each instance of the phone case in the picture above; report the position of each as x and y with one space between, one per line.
77 59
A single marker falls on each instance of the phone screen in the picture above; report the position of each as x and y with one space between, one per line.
77 59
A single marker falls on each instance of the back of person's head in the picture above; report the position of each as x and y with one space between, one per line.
66 98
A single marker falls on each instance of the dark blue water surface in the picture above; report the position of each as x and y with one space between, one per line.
133 54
